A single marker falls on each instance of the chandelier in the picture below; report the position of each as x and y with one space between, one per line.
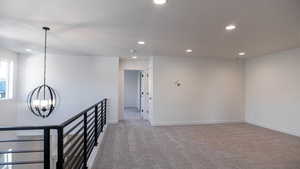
42 100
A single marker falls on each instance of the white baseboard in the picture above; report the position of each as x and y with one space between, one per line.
187 123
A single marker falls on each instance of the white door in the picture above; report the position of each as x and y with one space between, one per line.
145 95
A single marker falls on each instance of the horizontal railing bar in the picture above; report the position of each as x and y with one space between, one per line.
99 127
75 146
91 113
73 159
22 163
80 114
90 152
99 119
91 119
77 139
70 130
81 166
15 141
90 149
78 165
91 131
99 123
72 119
74 153
90 126
89 138
21 151
27 128
90 143
73 136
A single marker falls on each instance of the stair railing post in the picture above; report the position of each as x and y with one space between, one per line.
60 148
96 125
105 110
85 151
47 148
101 112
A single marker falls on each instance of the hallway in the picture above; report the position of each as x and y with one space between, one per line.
137 145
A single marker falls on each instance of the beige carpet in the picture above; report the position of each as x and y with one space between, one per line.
137 145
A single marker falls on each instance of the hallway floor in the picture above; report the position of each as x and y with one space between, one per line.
137 145
132 113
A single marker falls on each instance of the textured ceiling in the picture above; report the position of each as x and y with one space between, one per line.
112 27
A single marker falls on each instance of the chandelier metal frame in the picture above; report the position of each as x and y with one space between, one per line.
42 100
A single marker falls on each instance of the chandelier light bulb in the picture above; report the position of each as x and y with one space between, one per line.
160 2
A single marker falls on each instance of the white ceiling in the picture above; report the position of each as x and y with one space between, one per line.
112 27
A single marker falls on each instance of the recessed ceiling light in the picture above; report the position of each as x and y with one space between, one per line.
230 27
242 53
28 50
134 57
189 51
160 2
141 42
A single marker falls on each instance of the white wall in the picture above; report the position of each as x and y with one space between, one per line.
80 81
131 88
212 90
273 91
8 108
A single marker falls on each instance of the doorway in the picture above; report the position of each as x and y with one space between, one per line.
132 95
136 95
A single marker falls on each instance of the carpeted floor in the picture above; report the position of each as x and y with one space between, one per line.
137 145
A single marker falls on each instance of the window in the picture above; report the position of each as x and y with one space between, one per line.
6 79
6 158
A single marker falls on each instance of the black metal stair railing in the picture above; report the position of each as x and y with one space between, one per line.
78 136
76 139
45 139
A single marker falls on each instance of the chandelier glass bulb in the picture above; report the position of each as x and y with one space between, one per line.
43 105
42 101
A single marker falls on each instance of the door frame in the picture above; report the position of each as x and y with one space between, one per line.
140 65
122 93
